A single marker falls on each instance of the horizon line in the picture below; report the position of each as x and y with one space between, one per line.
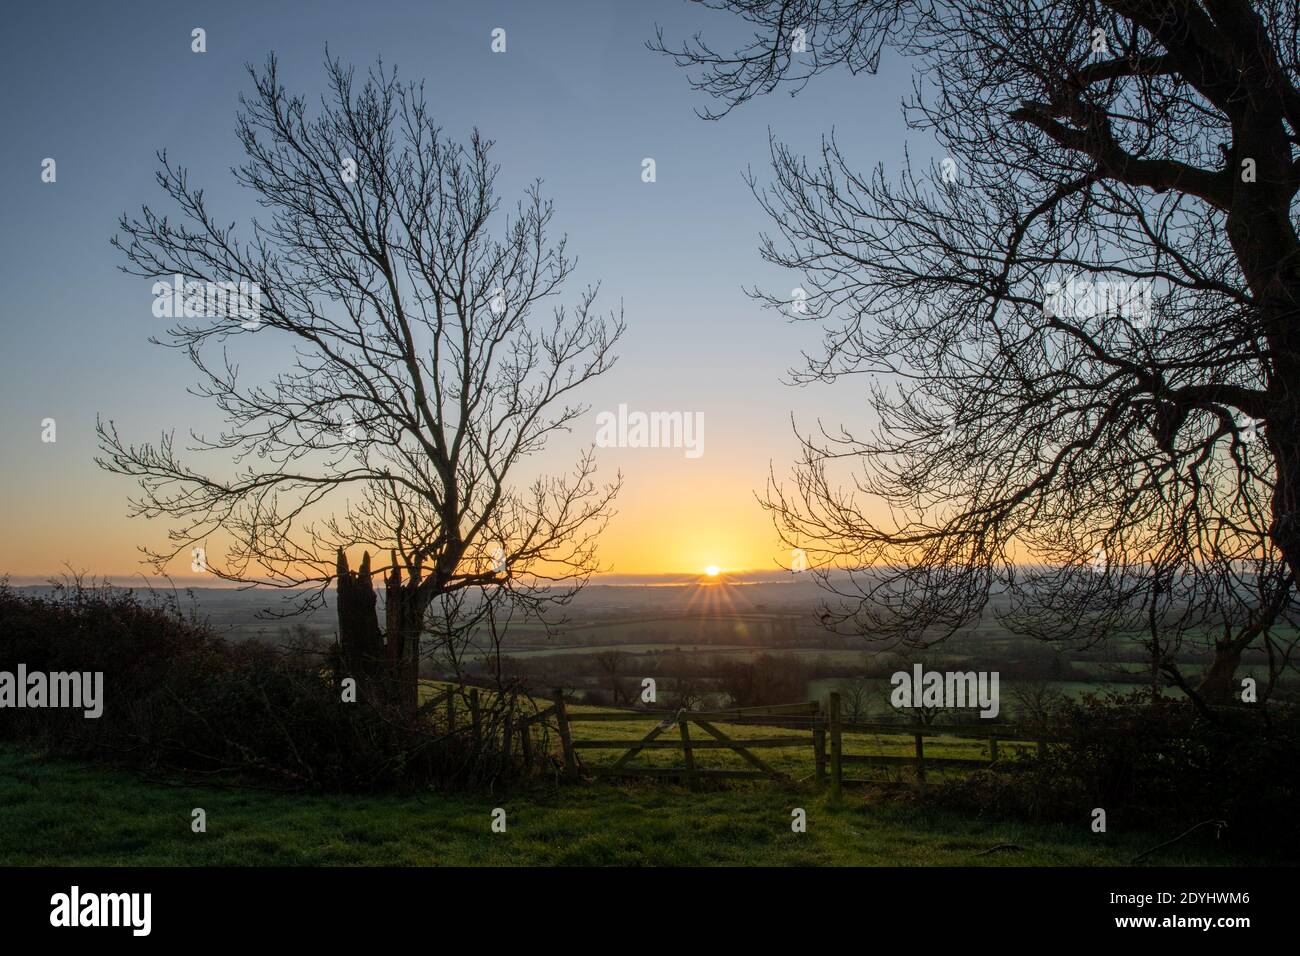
141 580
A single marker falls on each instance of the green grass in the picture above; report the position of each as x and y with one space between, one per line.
55 812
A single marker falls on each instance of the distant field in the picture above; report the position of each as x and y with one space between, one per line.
739 621
557 648
879 690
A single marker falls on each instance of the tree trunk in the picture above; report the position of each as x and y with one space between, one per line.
361 648
405 612
1267 247
1218 685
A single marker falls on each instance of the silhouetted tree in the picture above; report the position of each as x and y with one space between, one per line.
1079 320
611 666
415 377
856 693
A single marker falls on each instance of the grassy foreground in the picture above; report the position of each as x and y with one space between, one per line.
61 813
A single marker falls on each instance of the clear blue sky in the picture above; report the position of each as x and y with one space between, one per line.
576 100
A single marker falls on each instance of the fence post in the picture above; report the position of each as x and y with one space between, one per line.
507 731
451 708
476 719
993 750
684 726
920 759
566 741
837 751
819 745
526 743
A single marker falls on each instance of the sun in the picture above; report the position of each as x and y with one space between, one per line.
713 570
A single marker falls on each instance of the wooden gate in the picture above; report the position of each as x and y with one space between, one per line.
806 714
822 728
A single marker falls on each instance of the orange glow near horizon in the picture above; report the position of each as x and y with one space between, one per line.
670 521
645 538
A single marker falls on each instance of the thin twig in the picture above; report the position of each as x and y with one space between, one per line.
1218 823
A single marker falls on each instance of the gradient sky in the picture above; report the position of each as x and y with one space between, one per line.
576 100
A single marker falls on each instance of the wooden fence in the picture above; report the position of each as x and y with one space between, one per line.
681 720
995 734
470 720
462 708
822 728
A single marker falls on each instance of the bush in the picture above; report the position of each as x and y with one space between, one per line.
767 679
595 697
177 699
1154 766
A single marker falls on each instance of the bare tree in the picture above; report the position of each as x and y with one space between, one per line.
1079 320
1036 702
689 693
930 661
611 664
418 377
856 692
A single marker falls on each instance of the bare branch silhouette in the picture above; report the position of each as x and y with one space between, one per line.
1103 468
417 375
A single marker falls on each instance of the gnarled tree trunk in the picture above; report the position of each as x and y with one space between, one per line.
385 664
405 612
1219 683
361 647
